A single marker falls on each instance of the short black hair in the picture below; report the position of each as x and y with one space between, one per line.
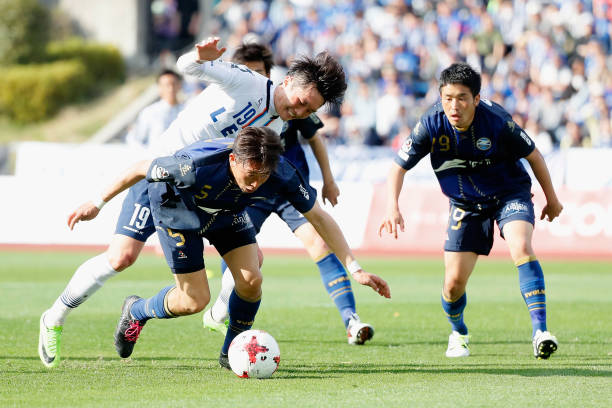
251 52
463 74
324 72
260 144
169 72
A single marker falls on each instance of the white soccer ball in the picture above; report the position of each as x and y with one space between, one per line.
254 354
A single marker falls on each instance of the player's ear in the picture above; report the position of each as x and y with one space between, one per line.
476 99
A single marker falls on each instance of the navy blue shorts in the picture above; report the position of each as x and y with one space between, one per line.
261 210
471 230
135 219
184 250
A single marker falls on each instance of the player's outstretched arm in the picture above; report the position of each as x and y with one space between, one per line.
330 189
393 217
553 206
90 210
333 237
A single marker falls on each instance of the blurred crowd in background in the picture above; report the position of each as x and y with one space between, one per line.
546 62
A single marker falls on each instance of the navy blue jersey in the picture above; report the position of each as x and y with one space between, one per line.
477 166
191 188
306 128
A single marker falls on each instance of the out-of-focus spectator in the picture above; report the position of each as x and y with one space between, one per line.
153 120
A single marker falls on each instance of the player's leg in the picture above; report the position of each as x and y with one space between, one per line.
518 232
245 298
216 318
190 293
469 234
458 267
334 277
134 226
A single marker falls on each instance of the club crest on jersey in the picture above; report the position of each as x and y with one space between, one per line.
407 145
484 143
158 173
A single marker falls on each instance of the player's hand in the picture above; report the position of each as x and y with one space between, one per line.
207 49
374 281
85 212
551 210
330 191
390 223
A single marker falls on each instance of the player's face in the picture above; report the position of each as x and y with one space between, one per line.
295 101
257 66
249 175
459 105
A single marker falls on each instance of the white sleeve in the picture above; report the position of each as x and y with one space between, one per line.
217 71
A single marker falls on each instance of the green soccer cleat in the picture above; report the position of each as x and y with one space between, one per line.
210 323
49 341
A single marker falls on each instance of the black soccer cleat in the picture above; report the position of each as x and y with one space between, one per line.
224 361
128 329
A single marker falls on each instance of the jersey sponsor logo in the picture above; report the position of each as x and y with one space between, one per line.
315 119
515 207
304 192
484 143
158 173
184 168
525 138
451 164
181 255
242 219
510 124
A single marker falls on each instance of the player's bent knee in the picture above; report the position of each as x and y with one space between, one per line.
250 288
454 288
192 305
122 260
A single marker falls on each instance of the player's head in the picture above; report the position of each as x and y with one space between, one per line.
257 57
460 93
254 157
169 84
310 82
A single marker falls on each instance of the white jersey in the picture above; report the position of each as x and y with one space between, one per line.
236 98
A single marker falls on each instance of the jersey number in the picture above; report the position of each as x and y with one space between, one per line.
444 143
140 216
458 215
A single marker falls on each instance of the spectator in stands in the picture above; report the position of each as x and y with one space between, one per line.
153 120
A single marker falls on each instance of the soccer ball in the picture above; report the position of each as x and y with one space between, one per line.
254 354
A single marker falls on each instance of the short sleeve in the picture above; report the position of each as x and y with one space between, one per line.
415 147
178 169
515 140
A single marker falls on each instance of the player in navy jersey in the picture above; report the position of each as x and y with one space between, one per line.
475 148
201 191
236 98
258 58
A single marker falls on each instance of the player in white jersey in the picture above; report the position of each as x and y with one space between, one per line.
310 82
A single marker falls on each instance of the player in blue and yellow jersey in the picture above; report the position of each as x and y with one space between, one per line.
258 58
201 192
236 98
475 149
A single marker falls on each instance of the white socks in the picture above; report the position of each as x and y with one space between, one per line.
87 279
219 310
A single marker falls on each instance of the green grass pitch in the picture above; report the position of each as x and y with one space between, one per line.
175 361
